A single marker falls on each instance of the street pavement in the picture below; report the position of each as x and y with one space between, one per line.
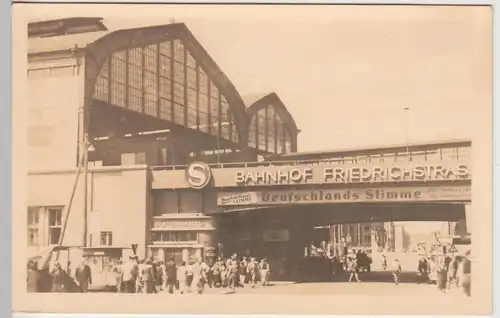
375 283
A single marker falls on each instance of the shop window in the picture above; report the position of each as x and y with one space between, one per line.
33 224
174 253
159 237
55 225
106 239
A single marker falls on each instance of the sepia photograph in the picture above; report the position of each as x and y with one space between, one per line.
223 155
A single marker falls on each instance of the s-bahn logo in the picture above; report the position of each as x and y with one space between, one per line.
198 175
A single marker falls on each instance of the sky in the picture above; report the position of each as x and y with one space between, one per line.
345 73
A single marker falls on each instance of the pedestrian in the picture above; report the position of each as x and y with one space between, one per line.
59 279
147 277
129 275
189 276
352 269
452 273
432 271
465 274
33 277
396 271
243 272
441 275
181 278
252 271
83 276
265 271
119 276
422 270
171 275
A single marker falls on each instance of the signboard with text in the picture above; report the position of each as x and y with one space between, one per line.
324 173
322 196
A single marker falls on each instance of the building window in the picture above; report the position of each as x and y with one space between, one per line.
174 236
55 224
33 223
173 253
106 239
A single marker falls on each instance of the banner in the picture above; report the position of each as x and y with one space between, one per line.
400 194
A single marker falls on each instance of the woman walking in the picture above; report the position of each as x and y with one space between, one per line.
442 272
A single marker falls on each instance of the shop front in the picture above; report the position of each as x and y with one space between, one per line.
182 238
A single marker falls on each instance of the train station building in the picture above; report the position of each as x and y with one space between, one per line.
165 155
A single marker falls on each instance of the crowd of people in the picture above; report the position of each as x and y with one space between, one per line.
446 272
149 276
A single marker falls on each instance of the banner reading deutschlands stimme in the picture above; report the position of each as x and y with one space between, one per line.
400 194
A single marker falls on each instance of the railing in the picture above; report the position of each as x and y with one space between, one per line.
357 159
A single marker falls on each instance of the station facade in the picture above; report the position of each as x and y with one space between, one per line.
168 160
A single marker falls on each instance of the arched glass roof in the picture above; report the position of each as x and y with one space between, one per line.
271 127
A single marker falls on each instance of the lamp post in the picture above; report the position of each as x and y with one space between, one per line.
407 128
87 146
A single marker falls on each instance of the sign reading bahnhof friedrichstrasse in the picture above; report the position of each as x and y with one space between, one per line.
318 196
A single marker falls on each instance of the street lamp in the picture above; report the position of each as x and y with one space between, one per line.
407 124
87 147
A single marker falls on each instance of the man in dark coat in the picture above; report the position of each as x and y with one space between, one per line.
171 272
83 276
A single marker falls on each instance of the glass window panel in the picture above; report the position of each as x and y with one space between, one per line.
178 51
179 73
464 153
203 109
280 142
165 66
214 92
234 135
224 109
150 58
203 81
135 56
102 84
226 130
55 234
179 114
261 122
449 154
179 93
165 88
118 78
190 61
192 108
214 116
151 95
191 78
165 49
135 99
165 109
288 141
252 138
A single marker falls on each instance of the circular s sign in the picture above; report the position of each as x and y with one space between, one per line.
198 175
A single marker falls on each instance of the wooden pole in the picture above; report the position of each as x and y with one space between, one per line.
68 207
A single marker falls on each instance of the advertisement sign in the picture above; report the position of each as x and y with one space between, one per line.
183 224
399 194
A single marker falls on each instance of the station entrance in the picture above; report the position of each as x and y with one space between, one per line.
288 235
